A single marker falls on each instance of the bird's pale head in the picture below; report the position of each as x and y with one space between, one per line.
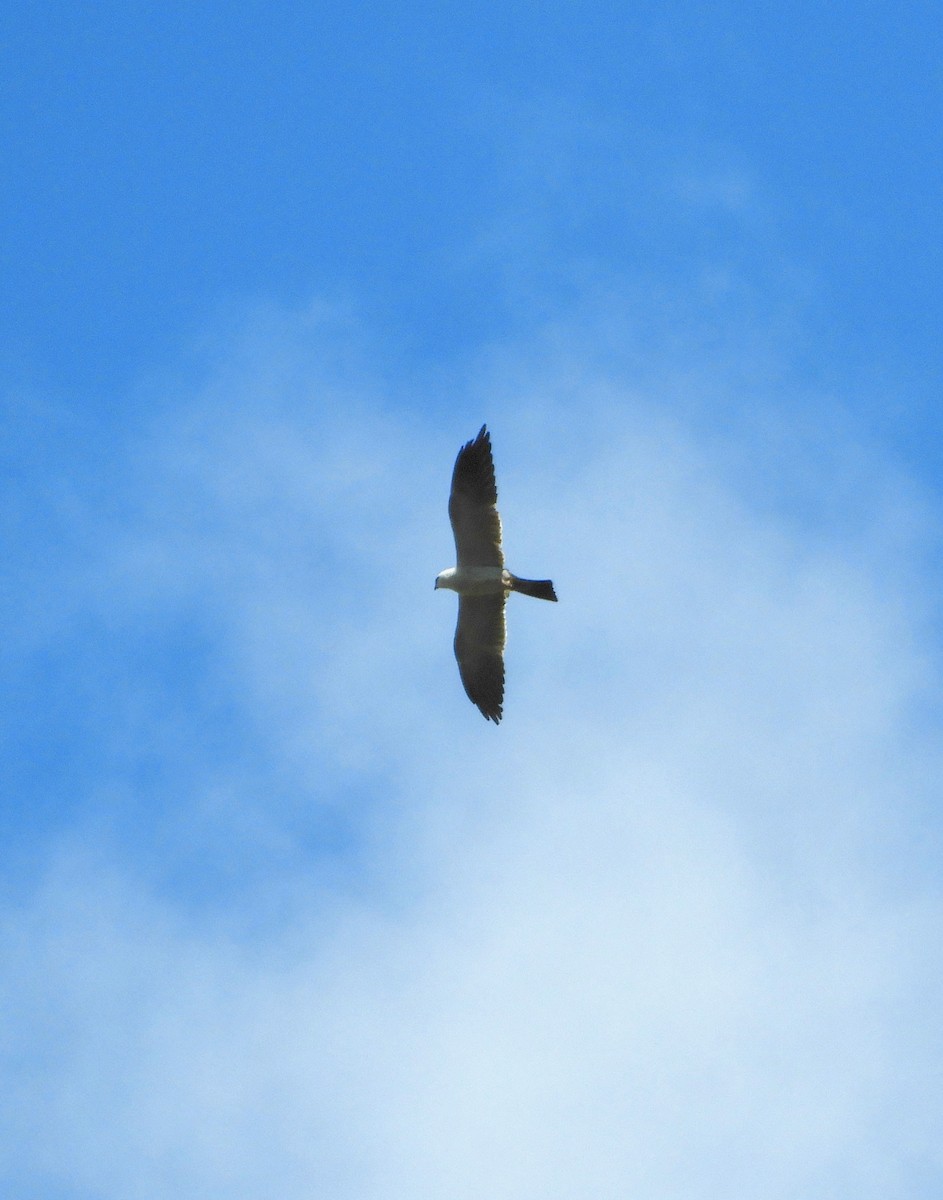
444 578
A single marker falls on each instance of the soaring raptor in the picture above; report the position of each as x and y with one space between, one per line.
480 578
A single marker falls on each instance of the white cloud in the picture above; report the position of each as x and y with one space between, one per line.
658 935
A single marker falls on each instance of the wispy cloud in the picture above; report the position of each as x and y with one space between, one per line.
663 933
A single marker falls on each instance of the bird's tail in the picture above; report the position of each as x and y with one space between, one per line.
541 588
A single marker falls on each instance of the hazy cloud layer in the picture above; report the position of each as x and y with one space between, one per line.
316 929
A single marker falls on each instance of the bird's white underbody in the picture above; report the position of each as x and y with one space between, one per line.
475 581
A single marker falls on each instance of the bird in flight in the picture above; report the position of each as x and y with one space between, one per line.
480 577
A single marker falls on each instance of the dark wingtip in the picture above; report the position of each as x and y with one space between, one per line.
490 712
481 436
474 470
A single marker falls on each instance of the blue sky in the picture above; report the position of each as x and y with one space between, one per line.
279 913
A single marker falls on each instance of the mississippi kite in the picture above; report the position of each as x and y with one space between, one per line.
480 577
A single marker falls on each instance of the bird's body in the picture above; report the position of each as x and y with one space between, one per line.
474 581
480 577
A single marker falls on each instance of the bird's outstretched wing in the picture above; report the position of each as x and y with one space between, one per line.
479 649
473 506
